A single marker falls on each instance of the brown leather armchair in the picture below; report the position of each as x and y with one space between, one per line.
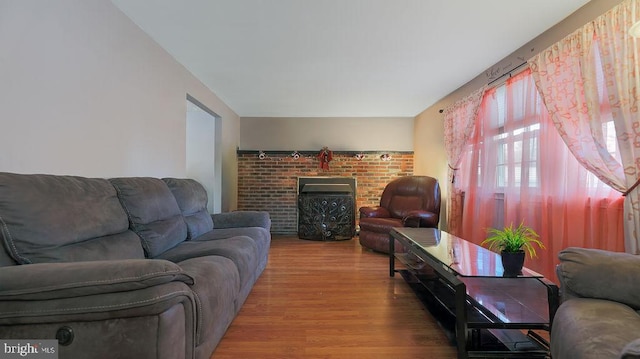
410 201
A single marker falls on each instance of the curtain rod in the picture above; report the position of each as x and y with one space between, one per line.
506 73
498 78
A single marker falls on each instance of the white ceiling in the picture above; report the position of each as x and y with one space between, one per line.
340 58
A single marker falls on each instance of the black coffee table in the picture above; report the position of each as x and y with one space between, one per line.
485 313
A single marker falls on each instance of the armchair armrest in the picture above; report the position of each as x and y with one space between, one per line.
242 219
600 274
374 212
46 281
420 218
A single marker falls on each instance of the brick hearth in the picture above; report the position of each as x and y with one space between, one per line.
270 184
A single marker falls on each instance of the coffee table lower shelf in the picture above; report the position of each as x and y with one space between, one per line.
486 337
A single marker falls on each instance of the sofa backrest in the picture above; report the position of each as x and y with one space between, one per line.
408 193
192 200
153 213
600 274
49 218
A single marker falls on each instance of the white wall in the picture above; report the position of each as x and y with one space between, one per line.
84 91
337 133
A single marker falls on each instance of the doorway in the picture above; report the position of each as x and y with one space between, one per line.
203 151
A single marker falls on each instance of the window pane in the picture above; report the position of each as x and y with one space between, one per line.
501 176
517 151
533 175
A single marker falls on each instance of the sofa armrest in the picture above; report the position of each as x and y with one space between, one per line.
46 281
420 218
600 274
374 212
242 219
123 307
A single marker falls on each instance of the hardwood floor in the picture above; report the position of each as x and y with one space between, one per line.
331 300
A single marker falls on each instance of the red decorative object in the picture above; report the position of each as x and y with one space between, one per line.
325 156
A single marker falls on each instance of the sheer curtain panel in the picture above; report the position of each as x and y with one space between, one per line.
459 122
590 82
517 168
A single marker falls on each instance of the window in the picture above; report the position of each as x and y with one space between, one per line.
512 133
517 168
517 156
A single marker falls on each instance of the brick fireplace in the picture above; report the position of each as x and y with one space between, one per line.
269 181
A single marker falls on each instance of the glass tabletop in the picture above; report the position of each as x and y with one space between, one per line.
464 258
510 300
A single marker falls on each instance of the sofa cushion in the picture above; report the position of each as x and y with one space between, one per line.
153 212
48 218
242 250
261 237
585 328
192 200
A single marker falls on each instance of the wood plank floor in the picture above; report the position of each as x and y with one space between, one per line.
331 300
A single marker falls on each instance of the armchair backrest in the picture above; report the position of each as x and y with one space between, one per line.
409 193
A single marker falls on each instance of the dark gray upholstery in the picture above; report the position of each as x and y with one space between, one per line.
217 284
73 255
241 250
260 236
140 334
45 218
5 258
598 316
33 282
153 213
594 273
192 200
241 219
593 329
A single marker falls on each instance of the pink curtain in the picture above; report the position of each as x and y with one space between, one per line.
590 80
517 168
459 121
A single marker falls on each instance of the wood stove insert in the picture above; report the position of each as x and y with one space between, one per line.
326 208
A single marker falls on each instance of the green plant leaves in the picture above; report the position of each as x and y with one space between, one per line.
510 239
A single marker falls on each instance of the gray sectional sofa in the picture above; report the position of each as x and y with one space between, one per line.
599 314
123 267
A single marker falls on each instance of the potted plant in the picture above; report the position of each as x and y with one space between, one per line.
513 243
